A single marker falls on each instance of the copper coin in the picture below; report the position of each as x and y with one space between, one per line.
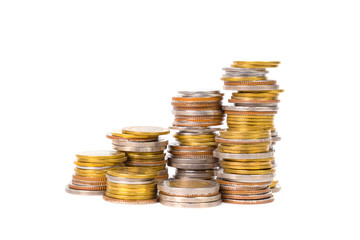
252 101
89 179
247 192
249 113
195 104
242 188
90 188
130 202
191 148
202 195
197 99
261 201
247 197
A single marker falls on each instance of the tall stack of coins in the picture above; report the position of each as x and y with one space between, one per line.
90 170
143 147
196 112
131 185
245 147
189 193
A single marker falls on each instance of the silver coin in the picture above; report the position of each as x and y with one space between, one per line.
239 141
242 187
191 124
122 143
189 187
244 178
193 134
199 102
190 205
250 109
200 91
89 185
243 156
138 149
246 74
193 166
249 104
251 88
276 189
259 201
197 113
195 173
190 199
195 129
194 157
83 192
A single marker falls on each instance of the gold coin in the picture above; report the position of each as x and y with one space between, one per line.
102 161
251 160
131 186
82 164
125 197
146 130
119 133
100 154
133 172
249 172
262 167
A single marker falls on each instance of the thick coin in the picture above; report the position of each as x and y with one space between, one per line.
83 192
190 205
198 113
193 187
246 192
195 129
130 202
241 141
159 143
139 149
132 172
247 197
250 109
194 166
224 182
190 199
146 130
127 138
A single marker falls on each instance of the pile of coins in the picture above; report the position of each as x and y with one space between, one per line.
143 147
245 147
131 185
90 170
196 112
189 193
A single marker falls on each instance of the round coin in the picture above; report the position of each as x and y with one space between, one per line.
83 192
188 187
190 205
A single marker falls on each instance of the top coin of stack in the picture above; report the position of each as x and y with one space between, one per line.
90 170
244 148
143 146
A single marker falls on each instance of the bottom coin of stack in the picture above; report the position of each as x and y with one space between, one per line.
131 185
91 167
189 193
245 189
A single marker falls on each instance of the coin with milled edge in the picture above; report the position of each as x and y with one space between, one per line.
189 187
251 88
146 130
190 205
243 156
260 201
190 199
83 192
130 202
244 178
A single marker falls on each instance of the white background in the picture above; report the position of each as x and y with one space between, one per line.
71 71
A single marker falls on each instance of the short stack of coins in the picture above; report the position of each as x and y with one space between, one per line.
245 148
90 170
196 112
189 193
143 147
131 185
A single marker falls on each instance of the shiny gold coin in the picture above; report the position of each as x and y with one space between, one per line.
251 160
100 154
102 161
118 133
125 197
138 154
132 172
82 164
146 130
231 134
90 173
204 136
273 184
199 143
131 186
249 172
241 167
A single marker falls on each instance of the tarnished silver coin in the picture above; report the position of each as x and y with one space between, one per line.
195 173
244 178
188 187
251 88
190 205
243 156
83 192
190 199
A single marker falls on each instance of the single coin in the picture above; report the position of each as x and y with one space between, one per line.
246 70
195 129
224 182
241 141
198 98
100 154
83 192
195 166
110 136
132 172
200 91
188 187
98 168
251 88
89 179
246 192
244 178
252 83
159 143
88 188
146 130
241 187
130 202
197 113
243 156
189 199
249 172
276 189
260 201
121 134
123 180
190 205
247 197
139 149
250 109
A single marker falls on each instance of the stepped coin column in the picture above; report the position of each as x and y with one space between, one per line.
246 146
90 170
196 112
143 147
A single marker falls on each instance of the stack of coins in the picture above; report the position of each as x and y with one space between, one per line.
143 147
131 185
196 112
189 193
245 148
90 170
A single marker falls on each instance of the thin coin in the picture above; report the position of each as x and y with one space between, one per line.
146 130
100 154
130 202
189 187
260 201
190 205
83 192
